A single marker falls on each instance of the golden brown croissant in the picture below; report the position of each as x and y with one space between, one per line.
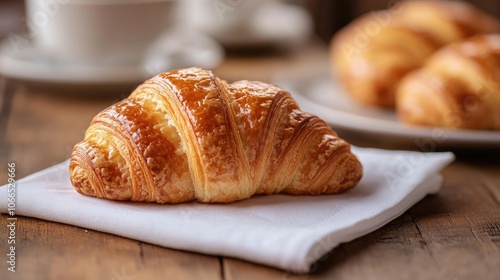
374 52
459 87
187 135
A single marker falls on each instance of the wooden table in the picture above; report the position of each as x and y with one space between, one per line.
452 235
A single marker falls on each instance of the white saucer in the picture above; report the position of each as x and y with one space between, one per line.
270 24
275 24
319 94
176 49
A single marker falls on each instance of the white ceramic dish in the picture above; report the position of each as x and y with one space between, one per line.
176 49
97 30
247 24
321 95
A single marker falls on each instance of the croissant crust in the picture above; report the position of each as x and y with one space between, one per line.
188 135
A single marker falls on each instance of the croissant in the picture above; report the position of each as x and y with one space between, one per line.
188 135
459 87
373 53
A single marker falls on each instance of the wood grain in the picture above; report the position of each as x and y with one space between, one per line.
50 250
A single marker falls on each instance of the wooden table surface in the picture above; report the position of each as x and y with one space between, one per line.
452 235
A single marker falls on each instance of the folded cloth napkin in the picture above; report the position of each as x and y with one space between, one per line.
289 232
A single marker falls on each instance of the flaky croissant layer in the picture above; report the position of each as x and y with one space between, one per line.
187 135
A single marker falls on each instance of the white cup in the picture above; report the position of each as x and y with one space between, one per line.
220 16
98 31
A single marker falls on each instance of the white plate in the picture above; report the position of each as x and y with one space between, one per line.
175 49
322 96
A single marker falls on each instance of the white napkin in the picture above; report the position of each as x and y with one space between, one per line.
289 232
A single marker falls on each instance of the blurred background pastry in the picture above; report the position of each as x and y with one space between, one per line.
458 87
372 54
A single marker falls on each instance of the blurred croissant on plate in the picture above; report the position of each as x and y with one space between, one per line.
187 135
458 87
374 52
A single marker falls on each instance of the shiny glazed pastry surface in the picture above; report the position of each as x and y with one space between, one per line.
458 87
374 52
188 135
